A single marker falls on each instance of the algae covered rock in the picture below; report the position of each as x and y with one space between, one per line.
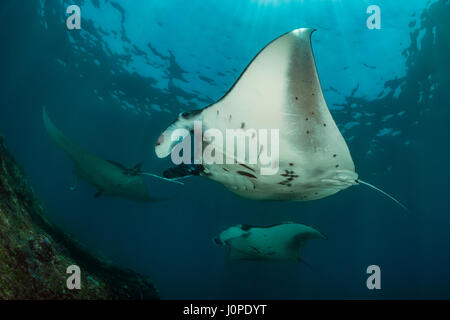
35 254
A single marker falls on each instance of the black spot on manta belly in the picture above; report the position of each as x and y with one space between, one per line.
247 167
246 174
289 175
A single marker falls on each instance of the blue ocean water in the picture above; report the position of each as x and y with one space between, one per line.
114 85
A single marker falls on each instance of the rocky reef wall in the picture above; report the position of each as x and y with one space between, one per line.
35 254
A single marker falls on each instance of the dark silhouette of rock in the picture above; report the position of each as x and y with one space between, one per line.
35 254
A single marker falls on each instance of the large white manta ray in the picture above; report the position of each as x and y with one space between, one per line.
279 89
280 242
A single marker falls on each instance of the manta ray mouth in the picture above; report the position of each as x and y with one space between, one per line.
341 179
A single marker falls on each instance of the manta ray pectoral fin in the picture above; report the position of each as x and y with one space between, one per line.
303 237
177 131
299 240
315 234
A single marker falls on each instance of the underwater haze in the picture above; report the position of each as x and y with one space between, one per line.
114 85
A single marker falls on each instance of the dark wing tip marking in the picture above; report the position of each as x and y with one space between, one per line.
246 174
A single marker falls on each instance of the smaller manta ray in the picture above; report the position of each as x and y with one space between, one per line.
108 177
280 242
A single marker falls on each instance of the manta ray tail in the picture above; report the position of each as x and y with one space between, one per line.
383 192
174 180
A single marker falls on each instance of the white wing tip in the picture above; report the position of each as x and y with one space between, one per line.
300 31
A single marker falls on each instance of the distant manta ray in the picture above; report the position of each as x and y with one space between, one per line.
279 89
108 177
279 242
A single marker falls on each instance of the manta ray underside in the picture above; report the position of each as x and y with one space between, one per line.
280 242
279 89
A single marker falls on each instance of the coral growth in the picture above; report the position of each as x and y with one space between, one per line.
34 254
